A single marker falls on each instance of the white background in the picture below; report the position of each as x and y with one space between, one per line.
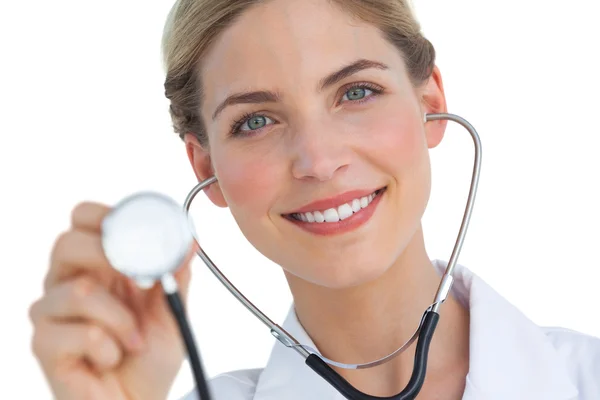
83 117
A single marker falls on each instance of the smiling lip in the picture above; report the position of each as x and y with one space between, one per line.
333 202
351 223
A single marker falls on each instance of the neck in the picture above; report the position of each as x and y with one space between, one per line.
368 322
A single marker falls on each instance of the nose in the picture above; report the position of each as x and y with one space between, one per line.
318 153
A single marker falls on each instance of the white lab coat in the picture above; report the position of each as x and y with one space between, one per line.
511 358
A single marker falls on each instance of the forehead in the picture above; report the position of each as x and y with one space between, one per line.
287 43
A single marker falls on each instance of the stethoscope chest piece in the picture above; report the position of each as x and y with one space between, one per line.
146 236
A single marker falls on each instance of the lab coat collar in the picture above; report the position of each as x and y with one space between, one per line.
510 356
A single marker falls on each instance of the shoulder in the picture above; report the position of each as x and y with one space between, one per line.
579 349
581 353
233 385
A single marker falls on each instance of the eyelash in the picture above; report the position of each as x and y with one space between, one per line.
376 89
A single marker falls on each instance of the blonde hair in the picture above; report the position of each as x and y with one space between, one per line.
192 25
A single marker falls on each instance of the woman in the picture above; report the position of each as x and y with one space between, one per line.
310 114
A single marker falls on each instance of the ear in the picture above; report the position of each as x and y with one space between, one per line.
433 100
200 159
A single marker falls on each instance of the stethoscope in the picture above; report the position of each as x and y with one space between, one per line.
148 235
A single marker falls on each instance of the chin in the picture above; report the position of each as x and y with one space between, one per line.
360 261
342 272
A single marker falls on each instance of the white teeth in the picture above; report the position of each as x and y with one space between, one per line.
319 217
336 214
344 211
331 215
364 201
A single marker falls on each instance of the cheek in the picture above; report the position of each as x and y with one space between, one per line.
398 149
401 143
248 182
395 139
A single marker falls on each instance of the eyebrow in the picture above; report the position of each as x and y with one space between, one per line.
350 70
261 96
267 96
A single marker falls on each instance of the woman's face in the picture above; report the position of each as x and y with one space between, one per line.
317 140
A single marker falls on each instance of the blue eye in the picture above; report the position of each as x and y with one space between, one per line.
356 93
250 122
255 122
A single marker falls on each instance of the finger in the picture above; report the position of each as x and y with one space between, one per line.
60 346
75 252
89 216
83 298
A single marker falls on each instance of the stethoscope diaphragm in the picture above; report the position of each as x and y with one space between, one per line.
146 236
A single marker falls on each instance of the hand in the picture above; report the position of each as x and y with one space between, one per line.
97 336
